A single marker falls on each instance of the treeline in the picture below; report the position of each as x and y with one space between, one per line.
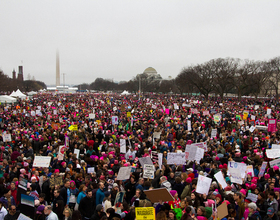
218 76
7 85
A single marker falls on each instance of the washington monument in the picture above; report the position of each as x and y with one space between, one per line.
57 70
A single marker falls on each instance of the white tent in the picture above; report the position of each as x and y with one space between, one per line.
18 94
31 93
7 99
125 93
13 94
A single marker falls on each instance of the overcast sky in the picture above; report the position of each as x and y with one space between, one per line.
117 39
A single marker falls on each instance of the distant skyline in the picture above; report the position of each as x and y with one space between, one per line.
120 39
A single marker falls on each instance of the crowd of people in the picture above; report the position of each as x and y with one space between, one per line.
82 122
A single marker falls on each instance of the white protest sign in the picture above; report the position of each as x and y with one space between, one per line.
249 169
213 133
240 166
203 184
275 146
220 178
33 113
176 107
253 117
148 171
257 107
160 155
235 175
273 153
91 116
7 137
23 217
268 111
156 135
41 161
61 152
176 158
190 152
252 128
275 162
90 169
55 112
253 197
122 146
145 160
124 173
199 154
189 125
115 120
77 152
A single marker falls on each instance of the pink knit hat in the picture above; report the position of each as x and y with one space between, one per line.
243 191
173 192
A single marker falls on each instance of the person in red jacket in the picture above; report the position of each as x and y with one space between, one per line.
14 192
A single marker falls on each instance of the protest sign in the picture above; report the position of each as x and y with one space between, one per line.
124 173
220 178
263 168
222 210
272 123
90 169
217 118
154 156
119 197
145 213
272 153
275 162
214 133
27 205
148 171
203 184
252 128
193 152
189 125
253 197
7 137
249 169
241 166
41 161
122 146
235 175
176 158
206 113
23 217
145 160
91 116
156 195
160 156
190 152
61 151
115 120
268 111
156 135
202 145
275 146
176 107
77 152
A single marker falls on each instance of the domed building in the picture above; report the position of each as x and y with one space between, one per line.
150 71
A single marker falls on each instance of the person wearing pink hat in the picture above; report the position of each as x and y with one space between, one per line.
176 202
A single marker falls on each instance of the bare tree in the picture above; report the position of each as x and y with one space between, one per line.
223 71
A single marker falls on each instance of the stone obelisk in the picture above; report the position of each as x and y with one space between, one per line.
57 70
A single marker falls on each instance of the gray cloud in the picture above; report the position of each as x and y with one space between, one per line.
119 39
